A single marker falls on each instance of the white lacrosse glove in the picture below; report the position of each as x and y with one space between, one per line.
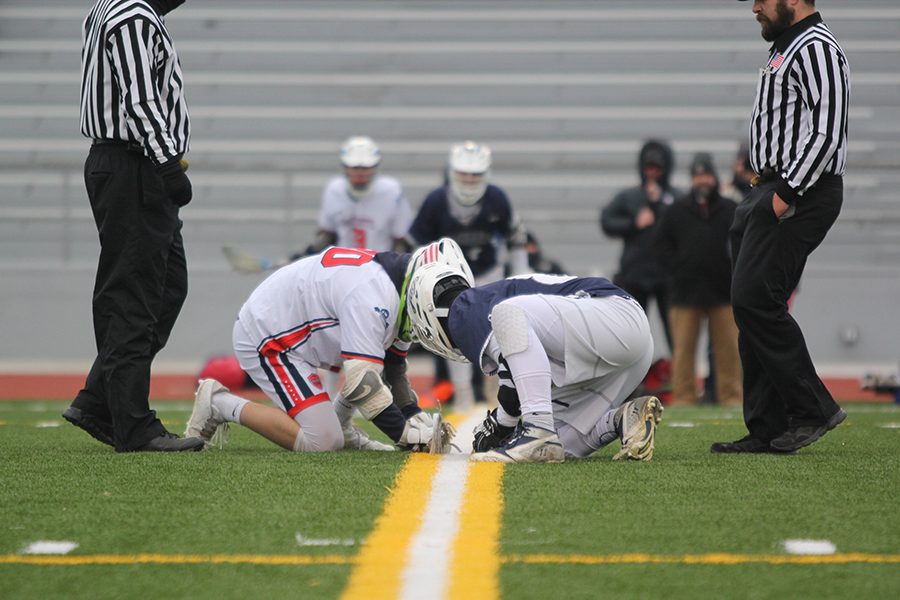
426 432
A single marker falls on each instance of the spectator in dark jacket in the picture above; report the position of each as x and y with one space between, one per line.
692 243
633 215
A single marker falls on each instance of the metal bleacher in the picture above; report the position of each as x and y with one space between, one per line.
564 92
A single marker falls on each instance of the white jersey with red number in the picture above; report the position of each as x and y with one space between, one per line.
373 221
326 308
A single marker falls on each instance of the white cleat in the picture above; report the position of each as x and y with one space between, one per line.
638 428
529 444
205 421
357 439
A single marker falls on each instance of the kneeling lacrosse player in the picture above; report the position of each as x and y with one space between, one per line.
569 351
340 309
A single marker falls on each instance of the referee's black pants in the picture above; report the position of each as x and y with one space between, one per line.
781 387
140 287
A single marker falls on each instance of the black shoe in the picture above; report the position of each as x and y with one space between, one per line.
746 445
799 437
169 442
99 430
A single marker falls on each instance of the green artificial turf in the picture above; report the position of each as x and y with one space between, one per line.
254 499
250 498
687 501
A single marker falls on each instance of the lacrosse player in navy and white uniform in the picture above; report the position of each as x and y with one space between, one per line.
339 309
569 352
479 216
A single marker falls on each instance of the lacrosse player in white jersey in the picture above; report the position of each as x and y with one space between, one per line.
569 352
342 308
362 208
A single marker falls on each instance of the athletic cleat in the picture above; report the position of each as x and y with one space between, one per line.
529 444
441 437
638 428
205 421
357 439
490 434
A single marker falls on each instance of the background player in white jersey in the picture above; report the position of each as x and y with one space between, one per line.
362 208
340 308
569 352
478 215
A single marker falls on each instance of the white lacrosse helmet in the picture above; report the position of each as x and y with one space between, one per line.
360 152
429 282
470 166
445 251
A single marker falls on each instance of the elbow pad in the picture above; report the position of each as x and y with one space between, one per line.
364 389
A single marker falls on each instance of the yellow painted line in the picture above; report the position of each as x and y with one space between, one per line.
701 559
475 566
383 555
534 559
179 559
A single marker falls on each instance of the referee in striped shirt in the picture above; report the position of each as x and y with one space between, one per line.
798 146
133 109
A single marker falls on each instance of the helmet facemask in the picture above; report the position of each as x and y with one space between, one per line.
360 158
469 172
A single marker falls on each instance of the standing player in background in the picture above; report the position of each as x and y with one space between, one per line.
362 208
478 215
342 308
134 110
568 350
798 145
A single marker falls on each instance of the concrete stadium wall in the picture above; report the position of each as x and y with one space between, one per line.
564 92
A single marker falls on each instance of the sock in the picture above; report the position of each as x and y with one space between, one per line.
543 420
609 426
505 418
229 406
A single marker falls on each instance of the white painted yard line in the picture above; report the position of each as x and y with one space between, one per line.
49 547
425 575
809 547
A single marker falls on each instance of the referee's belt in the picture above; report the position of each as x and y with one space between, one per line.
769 175
130 146
765 176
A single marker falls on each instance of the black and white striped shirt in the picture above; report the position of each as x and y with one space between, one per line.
131 83
798 127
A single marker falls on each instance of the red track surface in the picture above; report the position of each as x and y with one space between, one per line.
181 387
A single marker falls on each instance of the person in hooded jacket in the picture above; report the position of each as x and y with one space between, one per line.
633 215
692 244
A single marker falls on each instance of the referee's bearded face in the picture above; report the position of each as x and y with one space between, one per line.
774 16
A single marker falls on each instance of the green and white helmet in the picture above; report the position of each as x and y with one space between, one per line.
428 307
446 252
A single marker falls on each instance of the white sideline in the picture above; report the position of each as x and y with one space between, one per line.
425 575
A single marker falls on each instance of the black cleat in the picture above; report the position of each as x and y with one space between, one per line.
746 445
169 442
800 437
99 430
